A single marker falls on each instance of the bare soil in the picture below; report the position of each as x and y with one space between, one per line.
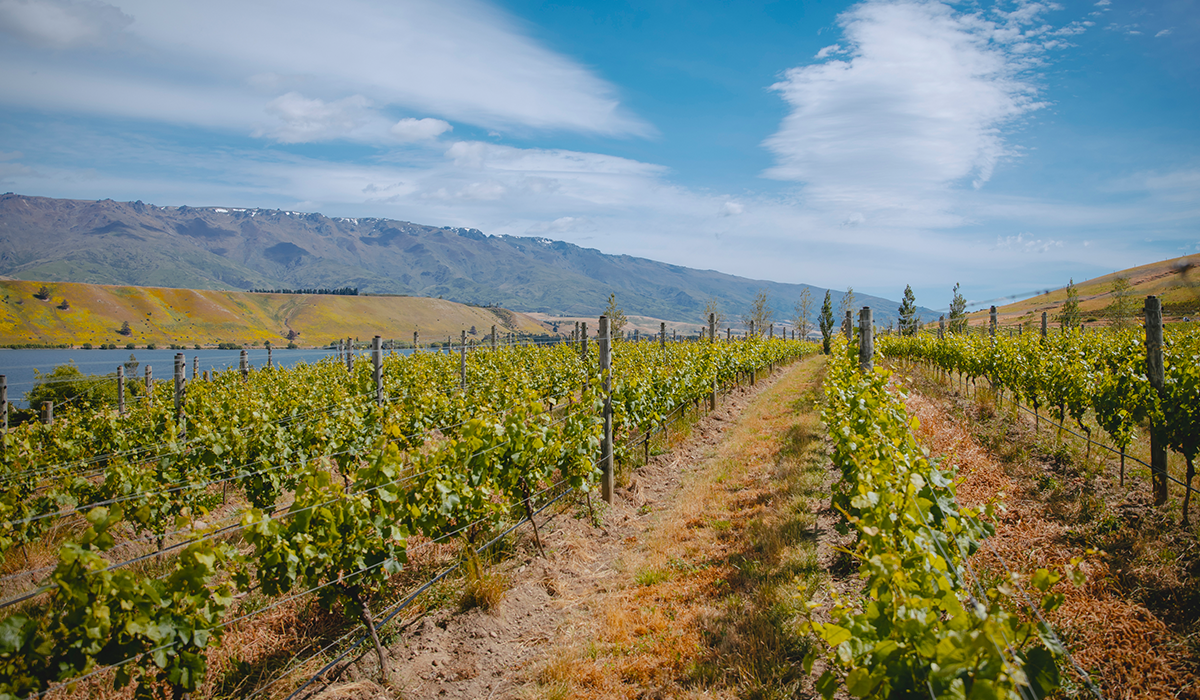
602 615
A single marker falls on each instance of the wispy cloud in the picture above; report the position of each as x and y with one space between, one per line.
915 110
1026 243
253 63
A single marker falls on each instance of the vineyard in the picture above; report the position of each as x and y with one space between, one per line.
309 480
1090 379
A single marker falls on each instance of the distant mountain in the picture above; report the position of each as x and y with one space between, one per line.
107 242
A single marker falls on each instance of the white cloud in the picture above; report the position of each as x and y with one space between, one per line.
62 24
1103 3
459 60
732 208
828 51
916 109
419 129
1161 33
1025 243
301 119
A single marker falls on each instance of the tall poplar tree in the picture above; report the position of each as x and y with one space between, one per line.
826 322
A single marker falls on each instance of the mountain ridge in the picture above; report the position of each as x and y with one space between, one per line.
237 249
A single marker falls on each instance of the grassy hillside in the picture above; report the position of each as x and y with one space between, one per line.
1176 282
95 313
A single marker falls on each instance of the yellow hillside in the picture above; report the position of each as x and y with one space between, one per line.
95 313
1176 282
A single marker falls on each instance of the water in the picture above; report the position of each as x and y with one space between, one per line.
18 365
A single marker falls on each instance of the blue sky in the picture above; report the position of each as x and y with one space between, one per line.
1008 146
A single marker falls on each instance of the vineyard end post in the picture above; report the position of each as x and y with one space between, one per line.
377 361
662 334
606 444
941 327
712 328
48 412
848 325
149 384
1155 373
4 402
493 336
270 364
992 322
120 392
244 365
866 342
1045 318
180 363
195 367
462 360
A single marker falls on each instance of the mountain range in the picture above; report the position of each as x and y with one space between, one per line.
228 248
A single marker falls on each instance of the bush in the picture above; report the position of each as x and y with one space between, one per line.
66 383
129 346
151 346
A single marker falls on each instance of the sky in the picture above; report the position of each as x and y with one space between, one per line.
1006 146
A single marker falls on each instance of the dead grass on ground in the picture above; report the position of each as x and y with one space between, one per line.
1055 508
707 605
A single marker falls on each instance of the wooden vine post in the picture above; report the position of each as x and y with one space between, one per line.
1155 373
149 384
606 442
848 325
462 361
583 341
180 364
269 363
48 412
244 365
992 323
377 361
416 340
195 367
120 391
493 336
662 334
941 327
4 407
866 342
1044 319
712 338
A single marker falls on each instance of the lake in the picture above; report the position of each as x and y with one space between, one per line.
18 365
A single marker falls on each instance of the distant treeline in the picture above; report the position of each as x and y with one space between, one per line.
342 291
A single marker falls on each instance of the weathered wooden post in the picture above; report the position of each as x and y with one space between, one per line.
462 361
377 361
847 327
4 403
866 341
992 323
751 335
195 367
416 341
180 363
493 336
244 364
149 384
349 354
662 334
712 328
941 327
120 390
728 334
606 443
340 352
1044 318
1155 373
48 413
772 336
270 364
636 335
583 341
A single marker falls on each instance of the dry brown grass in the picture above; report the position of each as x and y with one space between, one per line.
704 604
1128 651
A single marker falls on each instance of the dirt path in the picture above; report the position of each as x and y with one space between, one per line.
687 590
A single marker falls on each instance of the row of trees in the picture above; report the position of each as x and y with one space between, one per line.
1120 313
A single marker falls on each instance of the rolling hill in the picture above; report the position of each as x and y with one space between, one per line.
220 248
74 314
1176 282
